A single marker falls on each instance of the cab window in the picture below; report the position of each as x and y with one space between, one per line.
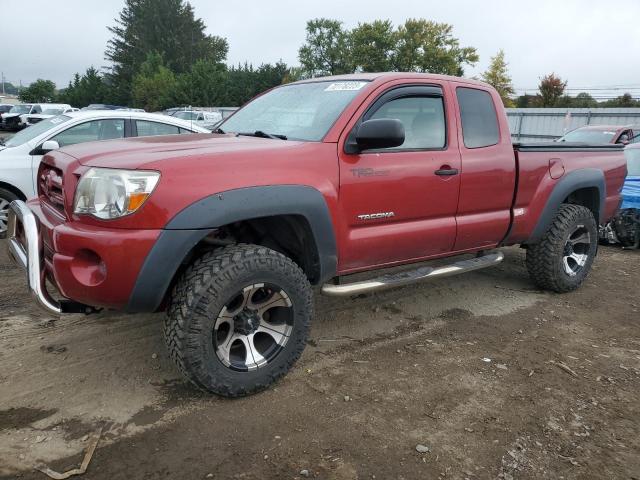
106 129
423 119
479 118
148 129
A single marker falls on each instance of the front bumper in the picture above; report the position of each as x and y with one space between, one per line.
89 266
24 248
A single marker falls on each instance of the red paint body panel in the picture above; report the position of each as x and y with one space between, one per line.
488 183
536 184
121 252
496 191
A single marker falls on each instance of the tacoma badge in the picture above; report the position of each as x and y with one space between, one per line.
375 216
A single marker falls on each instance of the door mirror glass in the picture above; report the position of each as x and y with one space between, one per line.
380 133
624 139
48 146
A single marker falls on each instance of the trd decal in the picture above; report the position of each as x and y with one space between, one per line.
368 172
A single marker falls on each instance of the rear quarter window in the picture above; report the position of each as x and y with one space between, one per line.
479 118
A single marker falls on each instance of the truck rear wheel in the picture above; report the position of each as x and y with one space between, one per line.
562 259
238 319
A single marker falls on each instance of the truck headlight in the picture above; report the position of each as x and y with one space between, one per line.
107 193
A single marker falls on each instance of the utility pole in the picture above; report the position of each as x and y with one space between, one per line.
3 83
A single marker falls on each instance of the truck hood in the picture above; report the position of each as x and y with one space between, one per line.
153 152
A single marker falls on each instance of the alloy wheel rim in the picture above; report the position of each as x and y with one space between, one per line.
4 215
576 251
253 327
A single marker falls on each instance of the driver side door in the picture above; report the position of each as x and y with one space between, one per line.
399 204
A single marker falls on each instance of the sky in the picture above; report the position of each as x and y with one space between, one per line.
592 44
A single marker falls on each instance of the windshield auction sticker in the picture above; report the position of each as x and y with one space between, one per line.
345 86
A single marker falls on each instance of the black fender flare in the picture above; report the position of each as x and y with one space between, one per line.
569 183
192 224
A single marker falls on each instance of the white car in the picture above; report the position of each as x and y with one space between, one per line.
12 119
198 117
50 110
20 155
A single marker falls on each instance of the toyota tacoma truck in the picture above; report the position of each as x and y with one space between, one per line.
304 186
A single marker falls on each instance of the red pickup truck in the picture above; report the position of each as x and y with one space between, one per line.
306 184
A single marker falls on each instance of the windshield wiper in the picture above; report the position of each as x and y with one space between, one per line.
261 134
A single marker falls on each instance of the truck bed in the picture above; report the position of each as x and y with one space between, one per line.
542 166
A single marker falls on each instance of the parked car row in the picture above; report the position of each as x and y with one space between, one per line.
599 134
201 118
23 115
17 117
20 155
52 110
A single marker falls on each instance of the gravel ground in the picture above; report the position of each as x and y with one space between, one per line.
478 376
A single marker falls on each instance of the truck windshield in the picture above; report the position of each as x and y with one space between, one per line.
633 161
589 136
33 131
186 115
304 111
20 109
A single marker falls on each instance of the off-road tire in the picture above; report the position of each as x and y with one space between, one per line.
6 196
545 258
201 294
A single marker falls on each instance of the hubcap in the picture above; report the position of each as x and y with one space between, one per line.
576 251
253 327
4 215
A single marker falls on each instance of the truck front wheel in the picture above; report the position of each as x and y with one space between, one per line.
238 319
562 259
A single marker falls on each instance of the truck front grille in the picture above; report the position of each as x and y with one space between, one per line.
50 186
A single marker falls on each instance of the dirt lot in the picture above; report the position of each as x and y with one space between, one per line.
559 397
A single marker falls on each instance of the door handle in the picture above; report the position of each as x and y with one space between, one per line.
446 171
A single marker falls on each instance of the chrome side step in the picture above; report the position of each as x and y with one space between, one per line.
392 280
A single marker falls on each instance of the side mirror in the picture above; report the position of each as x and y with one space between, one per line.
48 146
379 133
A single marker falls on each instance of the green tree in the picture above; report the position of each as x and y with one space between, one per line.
584 100
498 76
551 88
372 46
39 91
85 89
153 86
623 101
204 85
326 51
427 46
165 26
